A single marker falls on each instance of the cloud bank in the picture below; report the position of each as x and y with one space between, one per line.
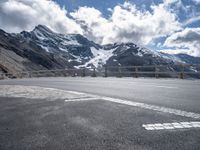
18 15
188 39
125 22
197 1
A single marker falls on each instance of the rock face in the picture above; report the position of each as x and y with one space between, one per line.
188 59
43 49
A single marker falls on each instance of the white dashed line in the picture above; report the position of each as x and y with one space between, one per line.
171 126
82 99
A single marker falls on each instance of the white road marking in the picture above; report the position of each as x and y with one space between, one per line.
82 99
154 107
159 86
35 92
168 87
140 105
75 92
171 126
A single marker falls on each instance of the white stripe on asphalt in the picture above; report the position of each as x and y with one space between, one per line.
160 86
75 92
168 87
171 126
154 107
138 104
82 99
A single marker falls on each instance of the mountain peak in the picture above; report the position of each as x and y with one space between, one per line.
42 28
42 32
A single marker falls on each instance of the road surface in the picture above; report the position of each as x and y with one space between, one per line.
116 116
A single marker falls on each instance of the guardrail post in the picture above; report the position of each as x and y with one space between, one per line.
182 72
16 74
64 73
136 70
106 72
73 73
1 76
156 72
120 72
83 72
94 73
30 74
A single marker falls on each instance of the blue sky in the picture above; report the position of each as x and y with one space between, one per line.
172 26
101 5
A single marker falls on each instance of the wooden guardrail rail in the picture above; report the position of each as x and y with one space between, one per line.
158 71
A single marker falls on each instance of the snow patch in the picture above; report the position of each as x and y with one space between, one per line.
39 35
63 49
71 42
100 57
77 58
44 47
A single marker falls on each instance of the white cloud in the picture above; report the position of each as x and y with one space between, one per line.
95 26
175 51
197 1
189 39
169 2
18 15
127 23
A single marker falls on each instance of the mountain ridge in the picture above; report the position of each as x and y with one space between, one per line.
42 48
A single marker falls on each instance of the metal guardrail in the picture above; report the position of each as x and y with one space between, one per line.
158 71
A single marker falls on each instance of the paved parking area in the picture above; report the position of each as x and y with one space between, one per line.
77 121
99 113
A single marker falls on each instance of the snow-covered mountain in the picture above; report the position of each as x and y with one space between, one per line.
44 49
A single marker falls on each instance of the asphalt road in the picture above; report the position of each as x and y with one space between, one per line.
173 93
43 124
